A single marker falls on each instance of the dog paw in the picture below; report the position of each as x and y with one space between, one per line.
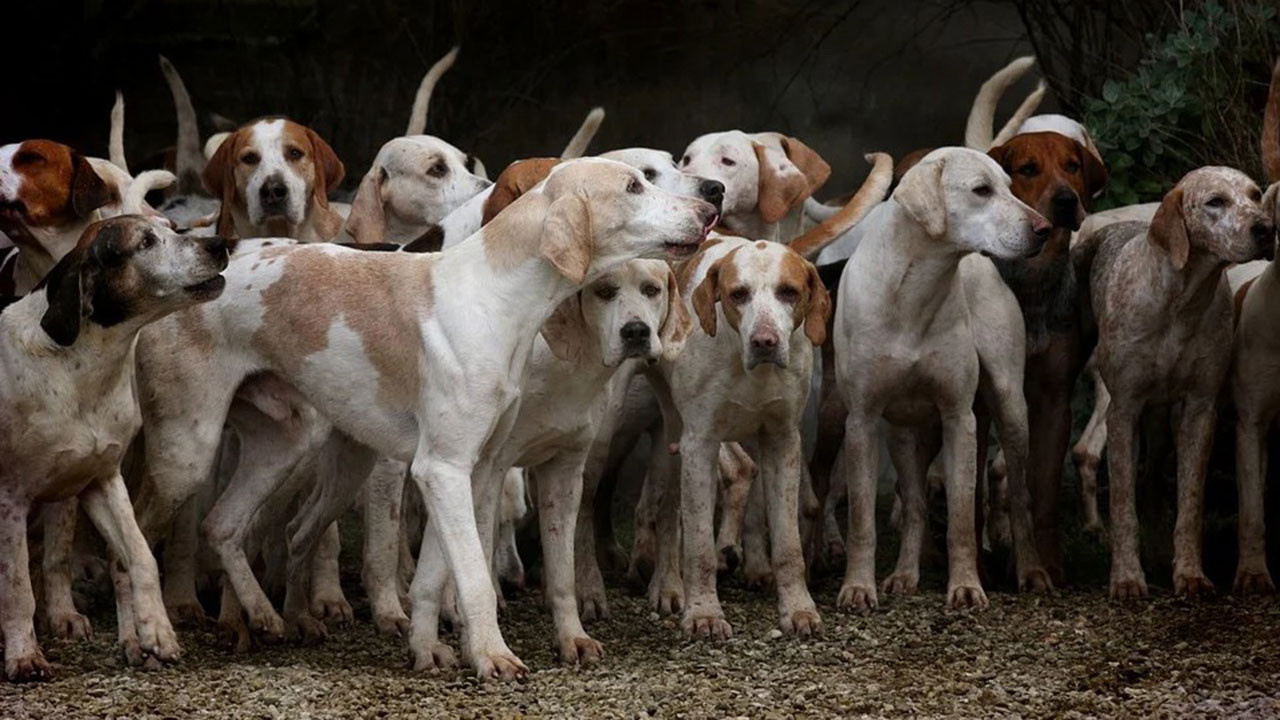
1132 587
593 607
580 651
395 624
188 614
666 597
966 595
1036 581
157 638
901 583
306 629
759 579
333 609
28 668
706 625
436 658
502 665
233 636
1192 585
802 623
70 626
859 598
1253 583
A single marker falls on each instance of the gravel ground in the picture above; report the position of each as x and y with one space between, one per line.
1072 655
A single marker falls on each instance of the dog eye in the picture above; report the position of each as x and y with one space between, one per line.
1217 201
739 296
607 292
1073 167
727 162
788 294
250 158
983 191
27 157
1028 170
650 174
634 187
147 241
440 169
684 160
1255 195
650 290
294 154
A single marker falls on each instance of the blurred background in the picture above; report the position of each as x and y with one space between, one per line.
845 76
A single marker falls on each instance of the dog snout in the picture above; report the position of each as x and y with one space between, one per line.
713 192
765 347
1040 227
216 246
273 193
1264 238
1065 204
635 337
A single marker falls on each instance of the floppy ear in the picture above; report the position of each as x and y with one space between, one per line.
819 310
705 296
367 222
566 330
566 237
517 179
1000 154
88 191
1095 172
810 163
920 194
329 173
782 186
220 180
677 324
1169 229
68 287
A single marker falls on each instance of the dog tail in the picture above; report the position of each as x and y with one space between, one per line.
980 128
1271 129
115 140
188 159
577 147
868 196
135 197
1024 111
418 116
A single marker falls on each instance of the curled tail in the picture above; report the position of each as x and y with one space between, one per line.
1024 111
980 128
868 196
134 202
188 159
115 141
577 147
418 116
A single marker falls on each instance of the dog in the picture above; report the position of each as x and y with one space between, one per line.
767 178
919 314
586 219
69 412
1163 311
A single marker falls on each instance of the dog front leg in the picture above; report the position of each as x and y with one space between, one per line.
703 616
911 451
588 581
1010 408
782 462
180 562
107 503
666 586
1087 456
59 520
1127 578
959 447
559 488
383 513
23 661
861 457
757 570
736 471
328 602
1252 576
1195 441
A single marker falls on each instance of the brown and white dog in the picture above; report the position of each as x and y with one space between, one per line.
273 177
68 412
1164 315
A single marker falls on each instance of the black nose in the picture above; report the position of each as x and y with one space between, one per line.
215 246
1262 231
712 191
273 191
635 331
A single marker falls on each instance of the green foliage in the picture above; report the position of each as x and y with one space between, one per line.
1195 98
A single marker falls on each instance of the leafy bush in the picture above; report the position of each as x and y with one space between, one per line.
1195 98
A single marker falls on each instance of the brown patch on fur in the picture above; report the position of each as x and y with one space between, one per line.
517 179
379 296
813 308
907 162
192 332
723 273
58 184
1043 164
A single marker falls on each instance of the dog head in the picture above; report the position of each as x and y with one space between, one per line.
1215 210
414 183
961 197
44 184
764 174
767 293
130 269
1052 173
660 169
275 173
599 213
633 311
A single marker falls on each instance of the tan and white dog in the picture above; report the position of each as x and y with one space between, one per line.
920 314
68 412
314 314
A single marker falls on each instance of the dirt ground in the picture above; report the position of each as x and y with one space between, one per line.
1071 655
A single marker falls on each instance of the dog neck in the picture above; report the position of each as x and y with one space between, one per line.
1190 289
911 272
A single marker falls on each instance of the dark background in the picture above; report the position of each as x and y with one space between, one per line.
847 76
